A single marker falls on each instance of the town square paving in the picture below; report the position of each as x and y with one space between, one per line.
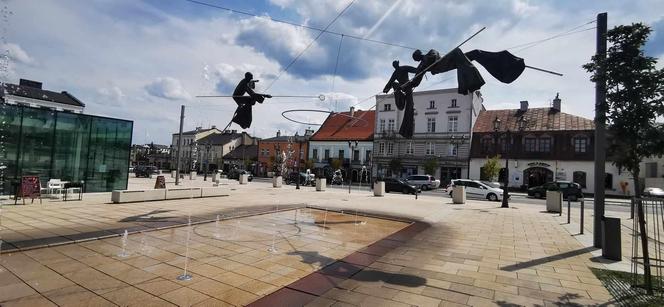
475 254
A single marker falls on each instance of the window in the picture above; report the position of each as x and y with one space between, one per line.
327 154
390 125
431 124
651 170
486 144
454 149
390 149
545 144
381 148
580 144
409 148
430 148
367 157
608 181
580 178
432 104
356 155
387 107
382 125
529 144
453 123
453 104
315 154
341 154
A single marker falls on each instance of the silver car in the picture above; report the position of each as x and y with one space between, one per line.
653 192
424 182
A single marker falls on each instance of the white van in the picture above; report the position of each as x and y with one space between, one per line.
477 189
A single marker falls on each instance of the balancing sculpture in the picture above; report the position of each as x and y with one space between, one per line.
503 65
242 114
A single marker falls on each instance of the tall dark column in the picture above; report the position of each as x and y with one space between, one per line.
600 132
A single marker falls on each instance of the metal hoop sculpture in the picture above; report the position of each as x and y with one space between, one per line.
318 111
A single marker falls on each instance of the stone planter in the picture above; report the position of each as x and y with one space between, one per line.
379 188
554 201
244 179
321 183
192 175
173 174
277 181
459 195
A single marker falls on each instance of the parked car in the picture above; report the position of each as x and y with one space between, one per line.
293 177
144 171
653 192
570 190
477 189
235 174
393 184
424 182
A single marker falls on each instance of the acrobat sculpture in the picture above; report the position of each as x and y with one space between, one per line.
503 65
247 85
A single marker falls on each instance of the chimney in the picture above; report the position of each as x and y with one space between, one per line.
309 132
214 127
199 128
556 103
524 106
30 83
278 133
352 111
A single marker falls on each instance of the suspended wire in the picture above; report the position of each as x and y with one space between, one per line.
552 37
559 36
336 65
300 25
309 45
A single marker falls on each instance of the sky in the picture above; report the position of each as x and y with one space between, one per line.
142 59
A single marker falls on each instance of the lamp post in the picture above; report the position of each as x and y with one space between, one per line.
508 140
207 160
351 145
299 158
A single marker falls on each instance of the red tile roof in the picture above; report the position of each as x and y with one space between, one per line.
537 119
342 127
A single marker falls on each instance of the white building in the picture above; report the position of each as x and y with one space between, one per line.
189 146
443 123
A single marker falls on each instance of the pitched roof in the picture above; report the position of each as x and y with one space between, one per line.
218 138
343 127
40 94
247 152
537 119
192 132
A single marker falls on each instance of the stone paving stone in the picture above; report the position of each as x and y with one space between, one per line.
184 297
28 301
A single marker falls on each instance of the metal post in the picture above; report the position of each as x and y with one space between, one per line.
582 213
299 156
600 131
506 193
569 210
177 167
647 276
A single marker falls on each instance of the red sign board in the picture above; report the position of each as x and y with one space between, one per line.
30 187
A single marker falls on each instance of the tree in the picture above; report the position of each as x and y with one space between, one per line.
278 164
430 166
336 164
396 166
491 169
635 90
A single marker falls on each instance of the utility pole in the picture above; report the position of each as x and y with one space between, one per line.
600 131
177 167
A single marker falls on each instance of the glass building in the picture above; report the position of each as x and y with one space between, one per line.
63 145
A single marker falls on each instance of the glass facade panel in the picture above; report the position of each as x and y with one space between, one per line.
61 145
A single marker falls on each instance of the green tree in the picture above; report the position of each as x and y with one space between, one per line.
491 169
396 166
430 166
278 164
336 164
635 90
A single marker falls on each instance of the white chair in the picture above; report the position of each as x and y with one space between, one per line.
55 186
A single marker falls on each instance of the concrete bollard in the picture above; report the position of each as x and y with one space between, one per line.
244 179
321 183
554 201
277 181
192 175
379 188
216 178
173 174
459 195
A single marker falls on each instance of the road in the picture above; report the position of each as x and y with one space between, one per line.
612 204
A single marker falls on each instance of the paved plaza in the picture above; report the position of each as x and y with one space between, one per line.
407 251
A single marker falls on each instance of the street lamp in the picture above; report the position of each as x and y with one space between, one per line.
521 125
351 145
299 158
207 160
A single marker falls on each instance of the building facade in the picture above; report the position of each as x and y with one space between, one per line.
543 145
268 148
210 151
188 157
348 138
51 140
442 135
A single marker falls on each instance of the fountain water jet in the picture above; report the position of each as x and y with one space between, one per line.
185 276
217 234
124 253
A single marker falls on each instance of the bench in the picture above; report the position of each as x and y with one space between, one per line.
126 196
179 193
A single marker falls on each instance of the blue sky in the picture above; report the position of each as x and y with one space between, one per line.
141 60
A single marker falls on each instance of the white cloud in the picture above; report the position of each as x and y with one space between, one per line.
17 54
169 88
